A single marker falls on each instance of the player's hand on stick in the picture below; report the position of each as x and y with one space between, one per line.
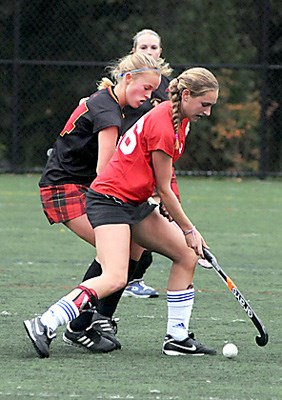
196 241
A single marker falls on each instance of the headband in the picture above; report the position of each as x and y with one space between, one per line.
134 71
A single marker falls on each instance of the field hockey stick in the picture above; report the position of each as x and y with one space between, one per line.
263 338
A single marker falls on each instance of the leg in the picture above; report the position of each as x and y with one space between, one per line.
105 307
136 286
143 264
169 241
114 257
82 228
101 319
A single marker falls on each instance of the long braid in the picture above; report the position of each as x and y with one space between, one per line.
175 98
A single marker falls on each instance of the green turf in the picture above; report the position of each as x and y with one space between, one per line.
242 222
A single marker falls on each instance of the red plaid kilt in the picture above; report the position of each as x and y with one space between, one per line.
62 203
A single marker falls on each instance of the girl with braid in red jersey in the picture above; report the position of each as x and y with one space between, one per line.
85 146
147 42
117 206
101 318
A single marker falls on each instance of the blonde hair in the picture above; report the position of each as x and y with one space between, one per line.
134 63
144 32
166 69
198 80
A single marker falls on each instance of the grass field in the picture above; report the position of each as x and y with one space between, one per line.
242 222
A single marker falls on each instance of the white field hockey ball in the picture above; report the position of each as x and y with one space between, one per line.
230 350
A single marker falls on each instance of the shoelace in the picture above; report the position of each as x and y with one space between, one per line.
107 325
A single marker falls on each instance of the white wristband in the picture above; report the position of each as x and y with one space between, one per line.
189 231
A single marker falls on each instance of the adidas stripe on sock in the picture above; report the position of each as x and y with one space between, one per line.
180 304
60 313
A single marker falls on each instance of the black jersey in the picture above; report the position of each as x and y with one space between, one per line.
75 152
133 114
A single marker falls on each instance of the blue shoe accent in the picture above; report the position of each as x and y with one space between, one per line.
137 288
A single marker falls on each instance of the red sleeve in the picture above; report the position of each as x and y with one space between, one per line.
159 132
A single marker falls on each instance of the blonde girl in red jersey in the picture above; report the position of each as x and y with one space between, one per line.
117 207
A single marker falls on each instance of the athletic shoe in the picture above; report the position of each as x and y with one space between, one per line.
106 327
188 346
88 339
40 335
204 263
137 288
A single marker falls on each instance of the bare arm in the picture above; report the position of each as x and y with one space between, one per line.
162 164
107 141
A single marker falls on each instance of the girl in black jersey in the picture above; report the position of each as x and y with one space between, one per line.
88 141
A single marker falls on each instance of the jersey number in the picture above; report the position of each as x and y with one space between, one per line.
129 139
78 112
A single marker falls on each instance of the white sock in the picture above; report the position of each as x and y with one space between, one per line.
180 304
59 314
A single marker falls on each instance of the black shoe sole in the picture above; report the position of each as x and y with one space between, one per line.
171 352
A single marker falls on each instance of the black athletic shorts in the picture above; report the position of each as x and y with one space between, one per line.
105 210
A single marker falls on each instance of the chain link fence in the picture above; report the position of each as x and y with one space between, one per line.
53 53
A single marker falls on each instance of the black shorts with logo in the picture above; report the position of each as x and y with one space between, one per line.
105 210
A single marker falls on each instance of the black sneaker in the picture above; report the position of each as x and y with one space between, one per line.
40 335
88 339
106 326
188 346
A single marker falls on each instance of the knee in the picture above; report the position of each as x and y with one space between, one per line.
117 282
192 258
188 258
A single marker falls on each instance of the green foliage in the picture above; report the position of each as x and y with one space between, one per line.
237 123
64 46
229 140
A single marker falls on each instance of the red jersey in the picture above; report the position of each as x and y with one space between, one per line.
129 175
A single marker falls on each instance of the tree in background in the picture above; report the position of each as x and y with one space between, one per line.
66 45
